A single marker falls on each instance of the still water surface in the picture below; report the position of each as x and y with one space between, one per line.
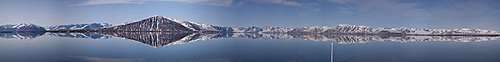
48 48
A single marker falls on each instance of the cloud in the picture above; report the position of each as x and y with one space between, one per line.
313 4
394 8
388 10
467 13
344 1
289 3
304 14
240 4
98 2
208 2
282 2
317 9
377 7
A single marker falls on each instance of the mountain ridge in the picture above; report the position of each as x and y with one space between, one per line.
154 24
165 24
21 27
77 26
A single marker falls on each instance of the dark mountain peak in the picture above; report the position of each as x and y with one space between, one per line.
25 24
354 26
157 17
151 24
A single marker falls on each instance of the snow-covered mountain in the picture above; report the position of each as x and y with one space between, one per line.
341 28
21 27
160 23
164 24
77 26
152 24
7 27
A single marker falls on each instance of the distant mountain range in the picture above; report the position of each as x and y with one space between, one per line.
10 31
158 31
32 27
77 26
164 24
21 27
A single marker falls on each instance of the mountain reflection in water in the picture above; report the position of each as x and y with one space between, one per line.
160 39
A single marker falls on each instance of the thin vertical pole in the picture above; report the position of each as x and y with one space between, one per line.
331 54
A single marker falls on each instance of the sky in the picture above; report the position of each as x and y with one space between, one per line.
436 14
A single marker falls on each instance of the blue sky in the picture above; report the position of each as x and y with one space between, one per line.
441 14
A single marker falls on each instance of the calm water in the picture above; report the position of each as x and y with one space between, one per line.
50 47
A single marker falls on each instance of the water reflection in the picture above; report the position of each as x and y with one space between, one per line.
160 39
79 35
20 35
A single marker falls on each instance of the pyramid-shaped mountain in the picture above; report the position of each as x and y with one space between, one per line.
152 24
